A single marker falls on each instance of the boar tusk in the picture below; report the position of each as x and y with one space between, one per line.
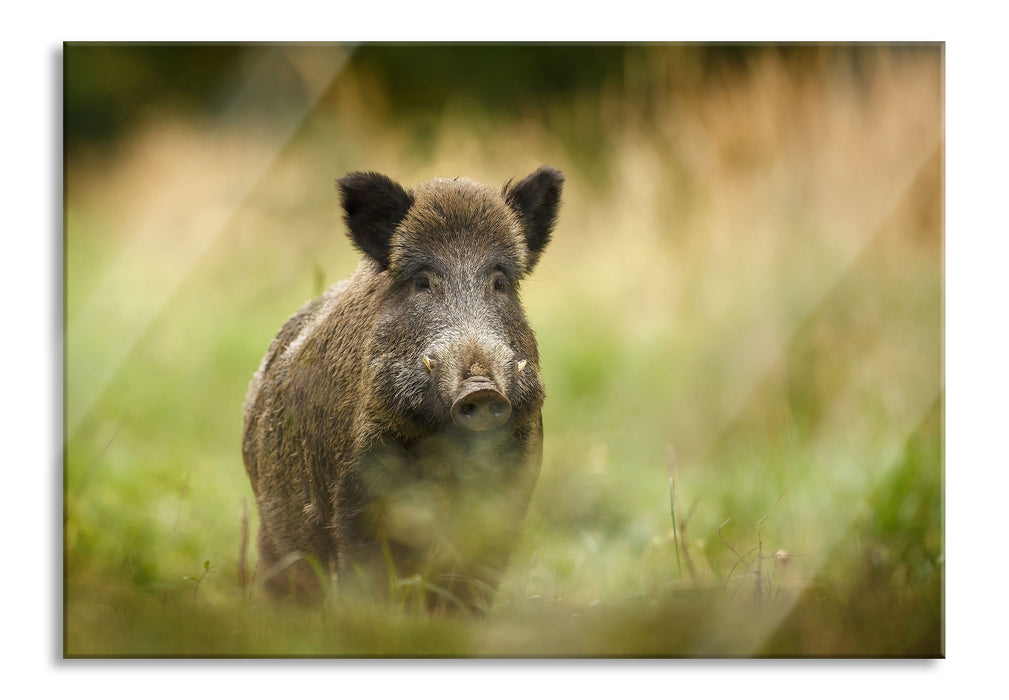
428 363
522 365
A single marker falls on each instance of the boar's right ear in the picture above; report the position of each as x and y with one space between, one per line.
373 206
536 200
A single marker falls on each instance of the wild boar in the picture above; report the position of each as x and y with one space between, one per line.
394 427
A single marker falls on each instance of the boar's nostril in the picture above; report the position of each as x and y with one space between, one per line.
480 407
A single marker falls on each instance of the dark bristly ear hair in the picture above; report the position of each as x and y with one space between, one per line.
373 206
535 199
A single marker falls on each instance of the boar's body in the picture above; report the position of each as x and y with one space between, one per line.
396 420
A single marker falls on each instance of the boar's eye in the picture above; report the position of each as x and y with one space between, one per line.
422 282
500 283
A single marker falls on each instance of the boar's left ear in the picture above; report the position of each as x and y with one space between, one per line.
373 206
536 200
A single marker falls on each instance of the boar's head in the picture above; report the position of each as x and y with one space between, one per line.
451 349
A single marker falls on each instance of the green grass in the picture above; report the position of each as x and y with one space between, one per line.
756 281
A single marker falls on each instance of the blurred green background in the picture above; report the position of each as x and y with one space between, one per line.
744 293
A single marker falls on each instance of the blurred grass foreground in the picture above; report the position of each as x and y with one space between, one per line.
741 308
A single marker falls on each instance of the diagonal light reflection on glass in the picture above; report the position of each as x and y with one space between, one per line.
127 300
829 448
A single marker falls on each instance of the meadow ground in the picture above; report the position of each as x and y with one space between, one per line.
743 294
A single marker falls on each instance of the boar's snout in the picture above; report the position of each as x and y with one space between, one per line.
480 406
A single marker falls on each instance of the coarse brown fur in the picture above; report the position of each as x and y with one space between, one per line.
353 441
